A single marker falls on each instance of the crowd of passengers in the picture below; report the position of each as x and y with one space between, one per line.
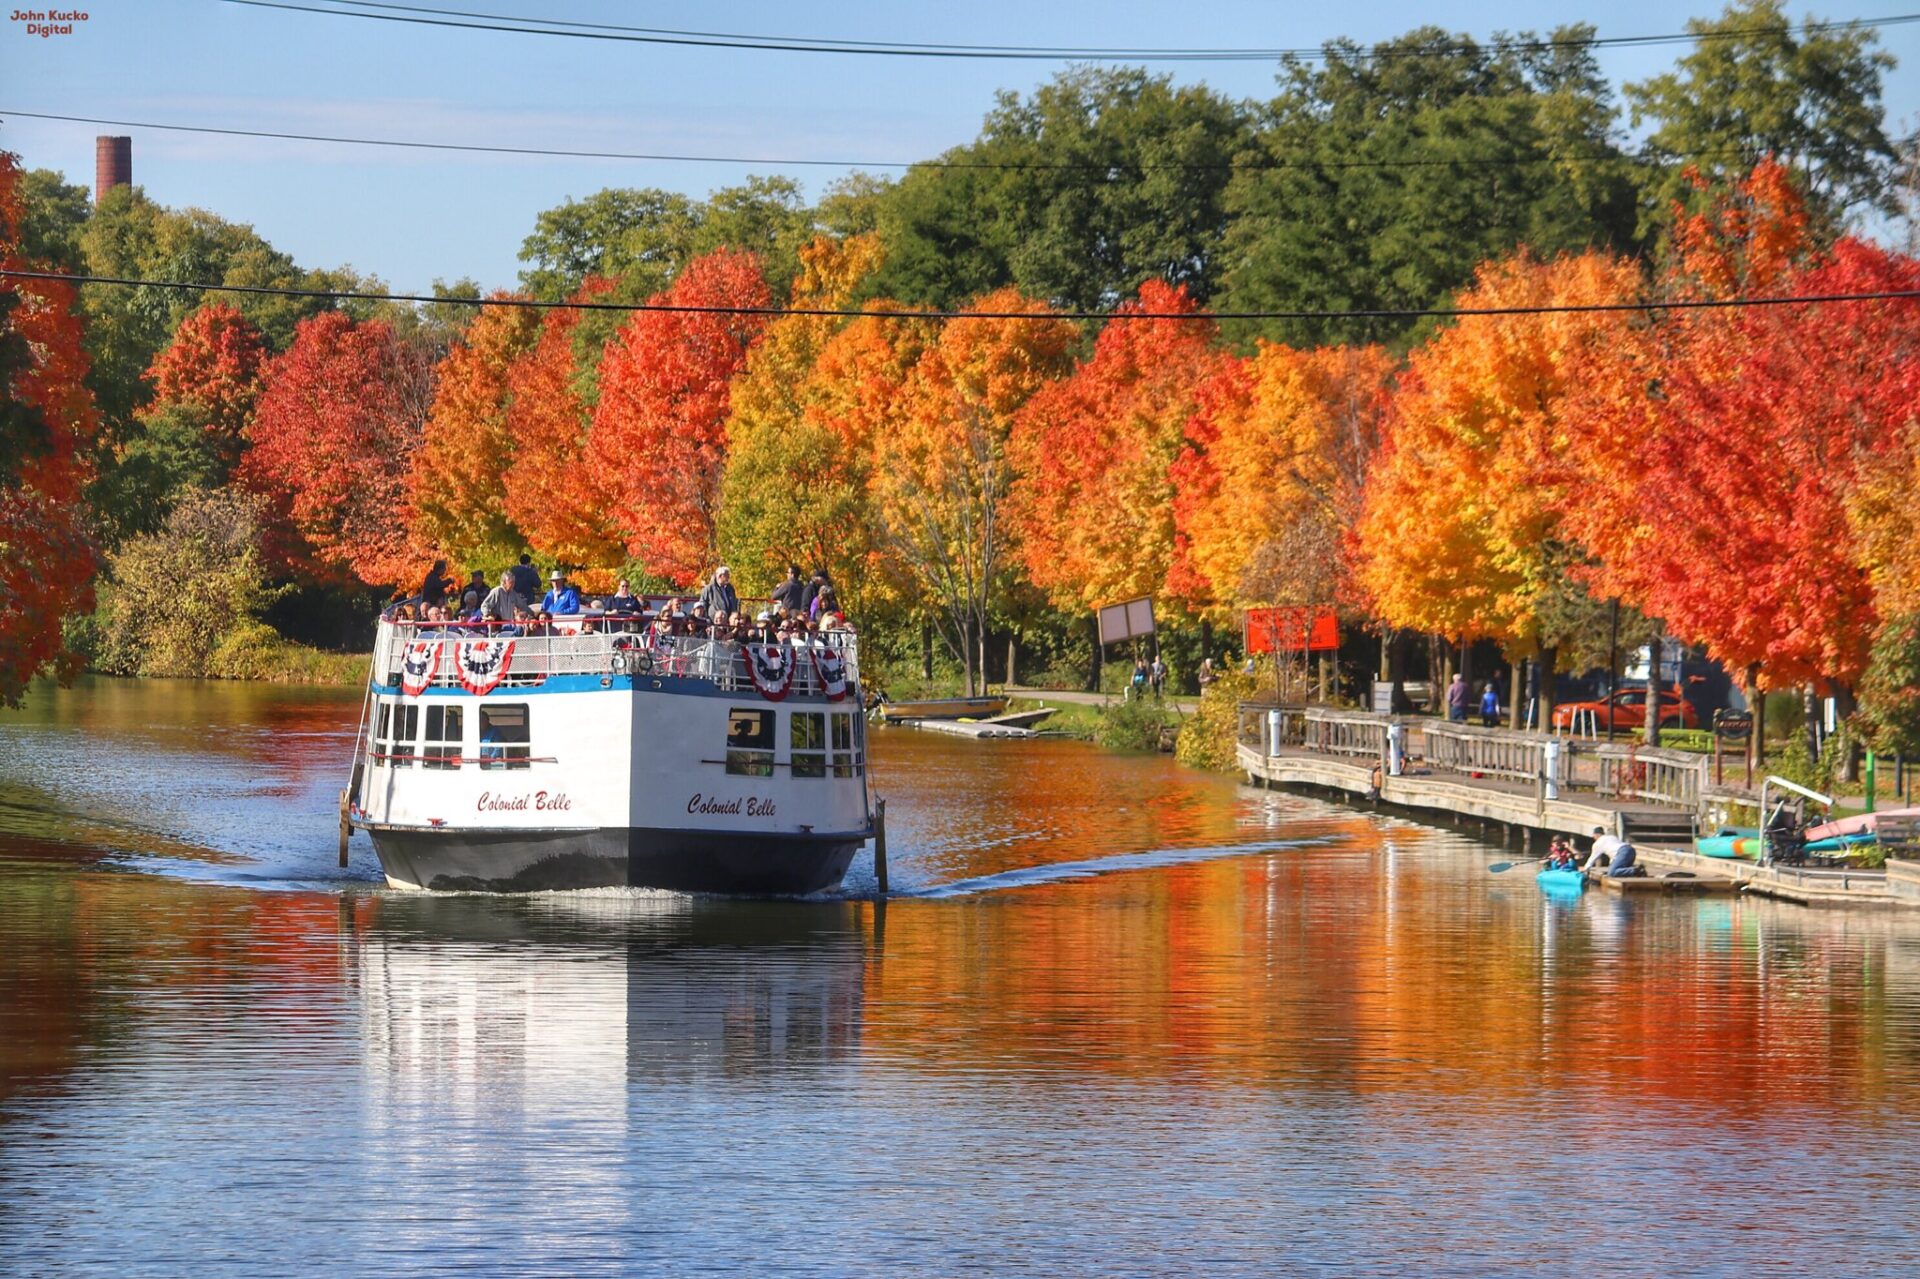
799 611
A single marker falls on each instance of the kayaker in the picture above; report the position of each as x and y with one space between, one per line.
1560 855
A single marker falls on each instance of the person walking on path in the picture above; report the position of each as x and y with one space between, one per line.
719 595
1458 694
1490 706
1157 676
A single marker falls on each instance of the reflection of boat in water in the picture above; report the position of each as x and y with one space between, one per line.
943 708
605 988
584 758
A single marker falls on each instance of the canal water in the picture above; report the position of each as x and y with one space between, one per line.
1125 1018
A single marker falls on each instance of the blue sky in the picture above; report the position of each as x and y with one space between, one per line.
412 217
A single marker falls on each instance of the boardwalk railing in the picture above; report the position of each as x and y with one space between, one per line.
1257 725
1652 775
1337 732
1494 752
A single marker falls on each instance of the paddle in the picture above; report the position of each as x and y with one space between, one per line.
1498 867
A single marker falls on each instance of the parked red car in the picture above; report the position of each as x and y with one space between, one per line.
1627 708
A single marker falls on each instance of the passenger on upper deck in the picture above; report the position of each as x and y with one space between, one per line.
561 599
698 623
719 596
526 578
791 593
503 603
623 602
433 591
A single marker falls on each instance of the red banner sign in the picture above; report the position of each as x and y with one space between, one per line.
1293 629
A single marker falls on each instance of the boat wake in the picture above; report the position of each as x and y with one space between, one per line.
1088 868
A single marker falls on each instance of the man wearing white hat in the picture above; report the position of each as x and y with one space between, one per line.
561 599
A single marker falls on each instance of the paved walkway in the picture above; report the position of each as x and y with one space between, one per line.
1185 705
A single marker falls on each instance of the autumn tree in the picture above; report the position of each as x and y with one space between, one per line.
941 478
795 487
332 440
205 384
455 484
657 446
1277 453
47 422
548 491
1460 533
1092 508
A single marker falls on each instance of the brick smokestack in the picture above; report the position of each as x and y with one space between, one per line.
112 165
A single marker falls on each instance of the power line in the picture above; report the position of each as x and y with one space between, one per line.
776 312
422 15
1113 172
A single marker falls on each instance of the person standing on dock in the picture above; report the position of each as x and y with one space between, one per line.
1157 676
1458 694
1490 706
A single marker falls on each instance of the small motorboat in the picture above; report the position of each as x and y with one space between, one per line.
1561 881
943 708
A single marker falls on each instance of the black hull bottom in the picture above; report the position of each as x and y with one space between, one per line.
681 861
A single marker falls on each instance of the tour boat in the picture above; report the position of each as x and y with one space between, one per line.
603 752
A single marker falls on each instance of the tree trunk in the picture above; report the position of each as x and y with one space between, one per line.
1549 657
1386 652
926 648
1466 662
1517 686
1326 676
1650 731
1757 708
1843 709
1810 720
967 651
1206 639
983 659
1011 641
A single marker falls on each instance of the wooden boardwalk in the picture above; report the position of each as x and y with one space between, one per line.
1511 803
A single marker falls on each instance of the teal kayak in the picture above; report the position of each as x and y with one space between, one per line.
1561 881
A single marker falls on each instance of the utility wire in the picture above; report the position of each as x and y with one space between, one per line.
1112 172
1380 313
421 15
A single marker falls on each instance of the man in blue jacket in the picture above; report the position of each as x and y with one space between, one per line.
560 599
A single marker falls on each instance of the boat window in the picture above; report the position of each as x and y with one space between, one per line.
807 744
750 742
442 745
846 759
504 736
394 729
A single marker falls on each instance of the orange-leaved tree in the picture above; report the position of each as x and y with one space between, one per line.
657 446
1460 531
550 491
1281 441
331 443
795 487
1092 508
941 475
47 423
456 487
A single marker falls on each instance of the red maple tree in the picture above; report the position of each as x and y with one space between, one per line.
331 443
658 444
47 420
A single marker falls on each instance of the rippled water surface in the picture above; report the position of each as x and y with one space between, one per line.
1125 1018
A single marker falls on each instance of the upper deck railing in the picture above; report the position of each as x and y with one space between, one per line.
483 657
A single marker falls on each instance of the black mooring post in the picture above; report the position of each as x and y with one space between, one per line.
880 844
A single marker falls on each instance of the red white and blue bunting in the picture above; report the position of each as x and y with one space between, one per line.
771 667
832 669
483 664
418 663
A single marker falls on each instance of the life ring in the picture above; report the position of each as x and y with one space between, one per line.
618 663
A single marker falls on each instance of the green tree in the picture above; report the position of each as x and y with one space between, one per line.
55 213
173 597
1751 88
1382 178
1102 179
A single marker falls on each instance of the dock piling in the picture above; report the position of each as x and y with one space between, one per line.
880 844
346 829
